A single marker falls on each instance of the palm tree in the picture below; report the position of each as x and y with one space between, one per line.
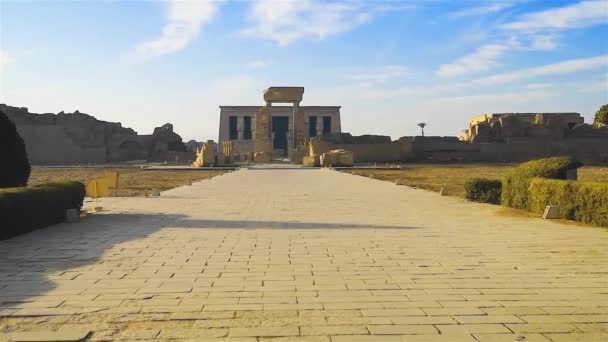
422 125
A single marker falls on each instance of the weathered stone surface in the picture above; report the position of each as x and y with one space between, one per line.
315 252
283 94
78 138
312 160
262 157
64 334
206 155
261 138
337 158
502 127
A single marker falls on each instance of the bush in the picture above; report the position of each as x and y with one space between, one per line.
25 209
586 202
515 184
483 190
15 169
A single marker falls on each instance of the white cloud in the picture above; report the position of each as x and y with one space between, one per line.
565 67
257 64
582 14
380 74
483 59
480 10
543 42
185 19
285 22
5 60
539 85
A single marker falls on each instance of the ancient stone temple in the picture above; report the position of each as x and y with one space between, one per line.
275 132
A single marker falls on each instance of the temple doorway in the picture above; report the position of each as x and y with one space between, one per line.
280 127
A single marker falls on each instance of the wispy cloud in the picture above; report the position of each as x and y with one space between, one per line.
582 14
482 59
380 74
564 67
285 22
480 10
543 42
488 56
185 18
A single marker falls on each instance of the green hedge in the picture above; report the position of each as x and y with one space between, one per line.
483 190
515 185
586 202
25 209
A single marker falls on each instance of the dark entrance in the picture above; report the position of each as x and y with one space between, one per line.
280 127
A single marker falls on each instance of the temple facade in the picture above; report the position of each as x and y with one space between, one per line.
237 124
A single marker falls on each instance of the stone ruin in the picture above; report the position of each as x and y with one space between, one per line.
503 127
79 138
207 155
502 137
262 142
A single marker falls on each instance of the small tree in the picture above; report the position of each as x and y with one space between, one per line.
422 125
15 168
601 116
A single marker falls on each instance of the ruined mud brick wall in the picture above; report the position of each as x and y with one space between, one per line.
78 138
366 149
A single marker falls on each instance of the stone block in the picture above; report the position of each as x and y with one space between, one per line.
206 155
297 156
221 159
262 157
337 158
551 212
283 94
311 160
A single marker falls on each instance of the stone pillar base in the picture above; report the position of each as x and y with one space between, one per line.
262 157
296 156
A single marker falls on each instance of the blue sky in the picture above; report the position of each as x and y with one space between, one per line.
389 64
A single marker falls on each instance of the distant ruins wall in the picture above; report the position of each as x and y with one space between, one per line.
500 138
78 138
365 148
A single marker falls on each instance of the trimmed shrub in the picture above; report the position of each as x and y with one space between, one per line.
515 184
15 169
483 190
25 209
586 202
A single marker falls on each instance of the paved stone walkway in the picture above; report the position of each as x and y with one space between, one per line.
305 255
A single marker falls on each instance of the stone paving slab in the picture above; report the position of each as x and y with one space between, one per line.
275 254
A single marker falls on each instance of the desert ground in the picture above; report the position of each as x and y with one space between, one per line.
453 176
132 181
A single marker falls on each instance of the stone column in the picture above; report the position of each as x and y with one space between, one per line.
262 144
299 139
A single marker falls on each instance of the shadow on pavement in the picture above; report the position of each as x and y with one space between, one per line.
34 264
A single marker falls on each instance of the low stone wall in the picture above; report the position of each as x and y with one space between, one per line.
590 151
364 153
